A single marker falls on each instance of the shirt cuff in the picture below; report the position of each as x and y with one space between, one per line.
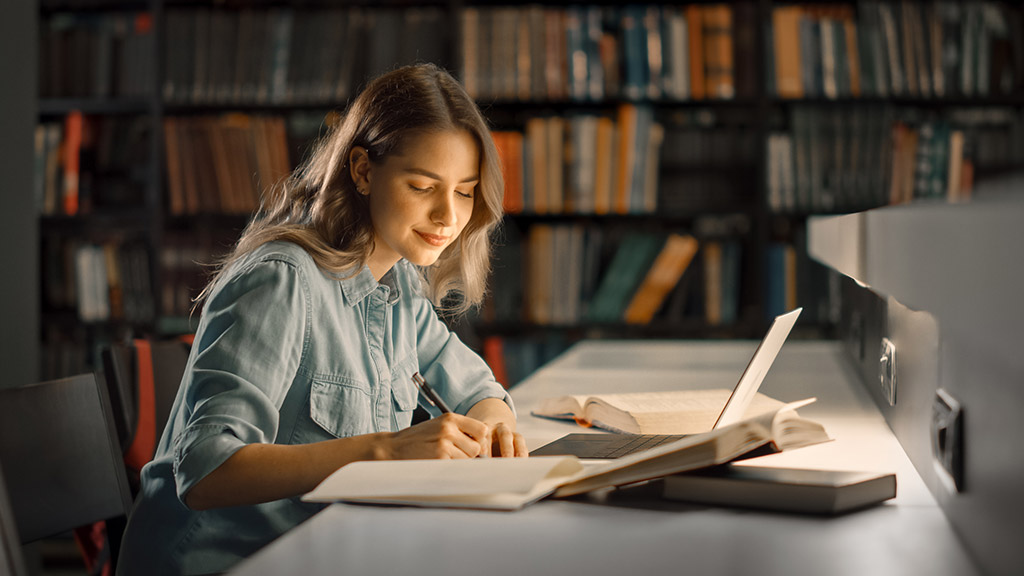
498 392
200 450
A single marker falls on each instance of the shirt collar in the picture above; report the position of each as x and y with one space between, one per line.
356 288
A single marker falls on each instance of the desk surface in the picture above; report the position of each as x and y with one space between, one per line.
631 531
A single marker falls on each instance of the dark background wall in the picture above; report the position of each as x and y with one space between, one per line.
19 244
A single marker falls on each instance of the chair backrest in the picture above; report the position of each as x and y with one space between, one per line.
11 560
61 457
129 368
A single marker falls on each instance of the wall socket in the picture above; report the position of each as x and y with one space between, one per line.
887 370
948 440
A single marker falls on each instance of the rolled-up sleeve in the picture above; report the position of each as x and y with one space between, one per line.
250 345
460 375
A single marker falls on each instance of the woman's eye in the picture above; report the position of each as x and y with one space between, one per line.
465 194
415 189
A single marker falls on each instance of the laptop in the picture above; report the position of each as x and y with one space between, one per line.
611 445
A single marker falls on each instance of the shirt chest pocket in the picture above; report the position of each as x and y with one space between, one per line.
341 409
404 394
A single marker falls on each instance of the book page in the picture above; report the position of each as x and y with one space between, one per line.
561 407
674 412
673 401
441 480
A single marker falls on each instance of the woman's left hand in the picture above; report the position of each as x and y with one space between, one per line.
505 443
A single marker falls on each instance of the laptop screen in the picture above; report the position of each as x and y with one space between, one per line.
763 358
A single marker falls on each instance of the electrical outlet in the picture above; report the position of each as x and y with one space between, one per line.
948 440
887 371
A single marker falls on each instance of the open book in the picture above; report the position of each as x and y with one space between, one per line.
511 483
674 412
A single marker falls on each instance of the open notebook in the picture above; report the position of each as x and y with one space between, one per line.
605 446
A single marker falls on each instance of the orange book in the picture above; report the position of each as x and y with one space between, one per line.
956 163
713 283
510 149
536 134
626 157
665 272
786 41
73 127
853 56
790 259
695 27
604 179
172 152
719 65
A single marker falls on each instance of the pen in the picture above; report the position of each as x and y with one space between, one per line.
430 394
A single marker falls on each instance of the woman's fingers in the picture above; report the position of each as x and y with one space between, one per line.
520 446
504 440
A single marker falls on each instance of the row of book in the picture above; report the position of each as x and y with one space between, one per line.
222 164
85 162
583 164
96 55
186 261
600 52
792 279
867 156
568 274
513 359
67 352
938 49
100 281
285 55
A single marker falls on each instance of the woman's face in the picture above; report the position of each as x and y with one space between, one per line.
421 199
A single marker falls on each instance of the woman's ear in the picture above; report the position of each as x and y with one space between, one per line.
359 169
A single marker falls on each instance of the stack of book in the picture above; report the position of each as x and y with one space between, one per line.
222 165
100 281
583 164
284 55
96 55
938 49
634 52
88 163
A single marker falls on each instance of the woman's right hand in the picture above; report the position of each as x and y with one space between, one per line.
447 436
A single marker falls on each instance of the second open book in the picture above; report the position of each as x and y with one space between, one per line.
511 483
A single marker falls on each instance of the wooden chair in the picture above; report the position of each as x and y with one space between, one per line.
61 458
11 560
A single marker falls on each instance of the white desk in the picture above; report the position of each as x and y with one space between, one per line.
631 532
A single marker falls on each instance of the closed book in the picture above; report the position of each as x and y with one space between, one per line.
719 57
623 276
73 132
668 268
695 37
786 43
782 489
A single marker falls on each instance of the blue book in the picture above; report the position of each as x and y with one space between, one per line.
775 282
634 52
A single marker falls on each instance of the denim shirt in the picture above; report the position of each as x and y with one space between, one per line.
288 354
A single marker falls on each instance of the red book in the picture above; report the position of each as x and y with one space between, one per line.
73 126
495 358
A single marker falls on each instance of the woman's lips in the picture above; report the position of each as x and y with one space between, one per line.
433 239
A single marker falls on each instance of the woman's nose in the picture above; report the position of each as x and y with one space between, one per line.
444 208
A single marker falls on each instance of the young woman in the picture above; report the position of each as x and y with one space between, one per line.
313 327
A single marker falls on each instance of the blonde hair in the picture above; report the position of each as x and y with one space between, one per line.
318 207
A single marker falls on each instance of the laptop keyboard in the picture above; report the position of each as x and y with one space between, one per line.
634 443
603 446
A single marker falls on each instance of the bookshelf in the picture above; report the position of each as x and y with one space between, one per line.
746 117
